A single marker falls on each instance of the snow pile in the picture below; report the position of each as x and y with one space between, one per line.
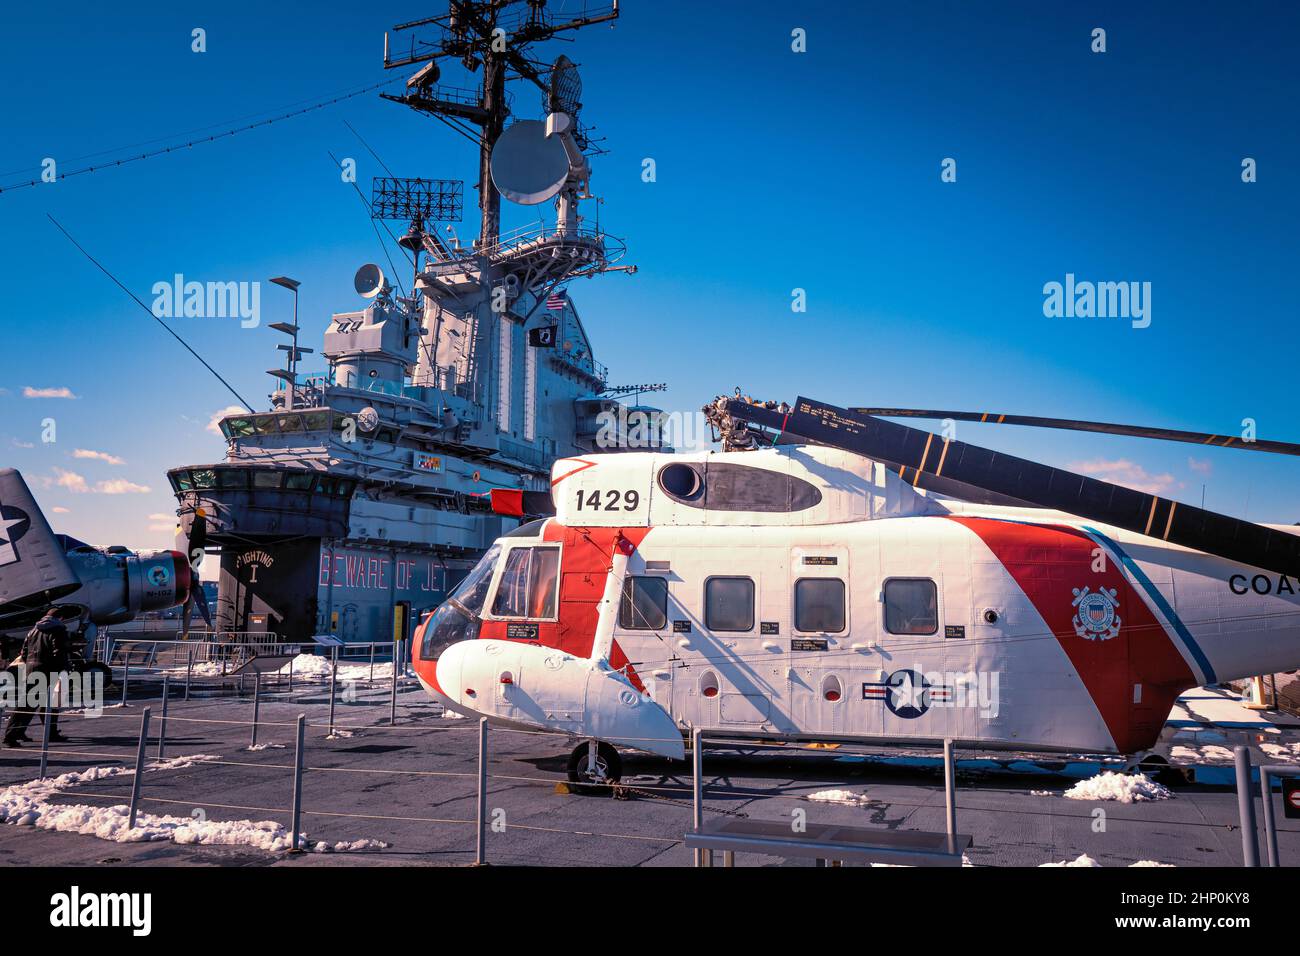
1082 860
199 669
343 846
451 715
28 804
258 747
315 667
1119 787
844 797
1287 752
1208 754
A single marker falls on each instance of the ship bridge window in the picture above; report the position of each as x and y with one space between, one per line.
819 605
316 421
645 604
265 425
181 481
299 481
528 587
237 427
290 423
729 604
265 478
232 478
205 478
911 606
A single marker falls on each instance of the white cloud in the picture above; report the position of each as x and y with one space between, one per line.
120 486
78 485
1201 465
98 456
19 443
70 480
162 517
60 510
1121 471
213 422
61 391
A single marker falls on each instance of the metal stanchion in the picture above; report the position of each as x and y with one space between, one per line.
480 854
257 707
372 662
950 794
697 787
334 679
1246 808
45 731
291 674
297 784
392 694
189 668
1270 827
162 723
139 769
126 676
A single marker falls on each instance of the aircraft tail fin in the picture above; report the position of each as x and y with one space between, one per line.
34 570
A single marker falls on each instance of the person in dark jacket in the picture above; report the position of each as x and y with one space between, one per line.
45 652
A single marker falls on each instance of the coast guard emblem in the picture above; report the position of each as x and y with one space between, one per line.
1094 615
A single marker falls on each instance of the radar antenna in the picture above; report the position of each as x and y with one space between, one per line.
496 37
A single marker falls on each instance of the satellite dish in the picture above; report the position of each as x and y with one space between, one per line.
529 167
369 281
367 419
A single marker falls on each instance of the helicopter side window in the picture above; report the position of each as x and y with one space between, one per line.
529 584
819 605
911 606
645 604
729 604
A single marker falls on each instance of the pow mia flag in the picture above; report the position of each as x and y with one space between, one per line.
543 337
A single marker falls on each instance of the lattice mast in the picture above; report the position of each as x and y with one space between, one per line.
493 36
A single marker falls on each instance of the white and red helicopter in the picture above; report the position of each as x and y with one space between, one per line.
831 574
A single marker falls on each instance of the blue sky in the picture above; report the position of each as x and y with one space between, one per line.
775 171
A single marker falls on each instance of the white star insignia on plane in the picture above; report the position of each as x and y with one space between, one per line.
908 694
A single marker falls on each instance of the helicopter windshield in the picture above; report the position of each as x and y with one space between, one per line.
457 618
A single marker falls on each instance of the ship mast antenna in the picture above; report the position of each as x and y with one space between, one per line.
495 36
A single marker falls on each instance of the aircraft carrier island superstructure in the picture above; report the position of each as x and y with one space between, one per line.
350 506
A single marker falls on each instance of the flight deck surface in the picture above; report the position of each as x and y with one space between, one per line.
412 787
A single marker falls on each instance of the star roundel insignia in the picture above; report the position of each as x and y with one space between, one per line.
14 523
908 694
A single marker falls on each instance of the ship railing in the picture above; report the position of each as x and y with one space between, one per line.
536 234
229 648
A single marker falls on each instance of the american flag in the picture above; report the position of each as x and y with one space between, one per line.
556 301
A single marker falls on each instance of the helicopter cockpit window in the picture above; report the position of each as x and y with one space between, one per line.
645 604
529 584
457 618
911 606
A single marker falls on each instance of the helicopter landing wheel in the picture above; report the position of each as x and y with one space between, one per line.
609 769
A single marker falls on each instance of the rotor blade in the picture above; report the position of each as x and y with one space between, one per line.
1105 428
187 609
917 453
